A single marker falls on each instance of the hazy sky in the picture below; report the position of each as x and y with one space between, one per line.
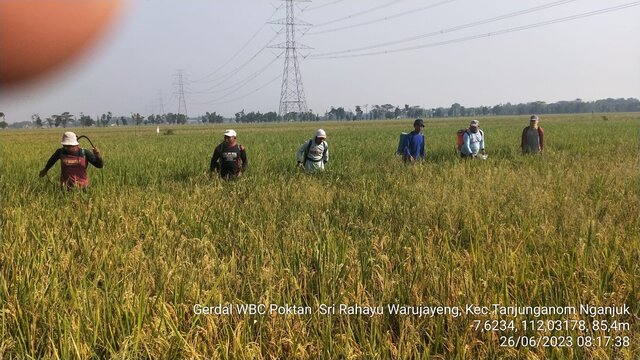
134 63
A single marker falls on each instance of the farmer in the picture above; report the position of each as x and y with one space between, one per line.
414 145
473 141
313 154
74 161
532 139
229 158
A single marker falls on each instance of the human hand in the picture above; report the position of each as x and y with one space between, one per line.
96 152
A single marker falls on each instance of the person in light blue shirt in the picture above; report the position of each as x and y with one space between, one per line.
473 141
414 147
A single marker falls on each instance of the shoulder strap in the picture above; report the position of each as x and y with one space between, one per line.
306 151
410 136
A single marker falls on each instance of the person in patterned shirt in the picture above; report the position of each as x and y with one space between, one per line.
229 157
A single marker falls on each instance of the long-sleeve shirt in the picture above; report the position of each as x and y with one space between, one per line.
313 155
472 142
415 145
532 139
89 155
229 160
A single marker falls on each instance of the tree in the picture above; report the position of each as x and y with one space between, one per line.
123 120
62 119
108 118
3 124
137 118
337 113
37 120
455 110
212 118
105 119
86 120
358 112
239 115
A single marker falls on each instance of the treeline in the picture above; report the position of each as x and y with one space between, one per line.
388 111
252 117
366 112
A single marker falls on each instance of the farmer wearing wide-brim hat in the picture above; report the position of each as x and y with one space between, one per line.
73 161
314 153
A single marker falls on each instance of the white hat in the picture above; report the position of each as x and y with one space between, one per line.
230 132
321 133
69 138
474 123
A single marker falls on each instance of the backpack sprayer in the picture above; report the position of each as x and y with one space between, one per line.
89 140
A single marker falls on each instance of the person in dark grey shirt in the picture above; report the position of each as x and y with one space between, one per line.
532 139
229 157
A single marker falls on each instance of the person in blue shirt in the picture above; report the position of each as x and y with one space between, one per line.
473 141
414 148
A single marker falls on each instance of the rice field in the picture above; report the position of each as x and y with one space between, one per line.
157 260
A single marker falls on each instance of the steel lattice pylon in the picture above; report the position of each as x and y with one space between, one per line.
182 102
292 98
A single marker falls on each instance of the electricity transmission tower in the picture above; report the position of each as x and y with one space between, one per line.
182 102
292 97
161 102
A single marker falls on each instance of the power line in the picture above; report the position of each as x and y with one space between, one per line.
242 47
409 12
472 37
244 95
451 29
359 13
243 81
321 6
223 78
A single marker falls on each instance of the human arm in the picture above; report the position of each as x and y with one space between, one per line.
407 147
243 157
541 134
422 148
94 158
52 160
214 160
523 139
466 144
325 155
300 155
